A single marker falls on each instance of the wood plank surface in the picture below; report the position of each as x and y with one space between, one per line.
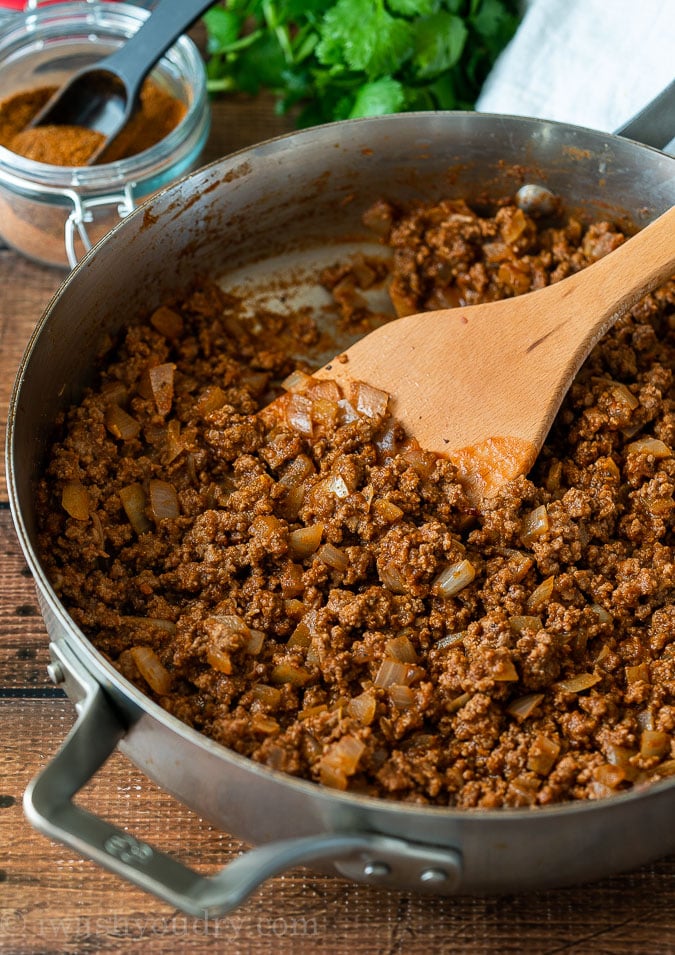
52 901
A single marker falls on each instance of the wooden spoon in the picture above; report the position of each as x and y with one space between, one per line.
481 385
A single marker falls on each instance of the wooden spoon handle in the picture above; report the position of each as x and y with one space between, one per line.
590 301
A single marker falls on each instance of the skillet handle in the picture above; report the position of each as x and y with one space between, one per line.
49 806
653 125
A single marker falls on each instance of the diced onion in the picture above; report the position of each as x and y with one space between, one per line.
167 322
578 683
226 624
638 673
370 401
513 227
301 637
621 756
363 707
75 500
335 484
524 706
304 541
392 578
211 400
541 594
333 557
387 440
219 659
608 468
519 563
602 615
174 445
289 673
609 775
332 776
387 511
654 743
400 648
525 622
535 525
543 754
391 672
454 578
255 643
623 396
267 695
505 671
646 720
152 669
161 382
297 471
450 640
458 702
652 446
264 724
348 412
293 501
401 696
293 607
324 389
344 755
114 392
121 424
325 412
298 413
163 500
134 501
311 711
379 217
296 381
420 460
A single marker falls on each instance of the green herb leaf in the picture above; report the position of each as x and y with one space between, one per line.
362 36
381 96
336 59
439 43
223 27
413 8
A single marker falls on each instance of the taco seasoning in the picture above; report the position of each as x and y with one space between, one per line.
157 115
53 205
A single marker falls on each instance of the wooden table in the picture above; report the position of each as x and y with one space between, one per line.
53 901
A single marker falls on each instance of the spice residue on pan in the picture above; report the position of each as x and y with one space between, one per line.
310 588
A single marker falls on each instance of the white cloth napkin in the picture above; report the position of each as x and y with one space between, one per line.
594 63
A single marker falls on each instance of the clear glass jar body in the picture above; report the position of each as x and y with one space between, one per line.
52 214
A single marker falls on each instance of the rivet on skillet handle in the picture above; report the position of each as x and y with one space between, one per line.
48 803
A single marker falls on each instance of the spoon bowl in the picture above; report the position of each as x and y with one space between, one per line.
481 385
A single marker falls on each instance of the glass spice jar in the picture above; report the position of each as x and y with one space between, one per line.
53 214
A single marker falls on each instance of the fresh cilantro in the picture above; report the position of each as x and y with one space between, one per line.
413 8
336 59
362 36
381 96
439 43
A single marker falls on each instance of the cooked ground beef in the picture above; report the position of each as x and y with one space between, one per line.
310 588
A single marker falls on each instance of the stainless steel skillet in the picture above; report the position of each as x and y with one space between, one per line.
282 206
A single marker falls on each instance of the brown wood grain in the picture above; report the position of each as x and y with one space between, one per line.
53 901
